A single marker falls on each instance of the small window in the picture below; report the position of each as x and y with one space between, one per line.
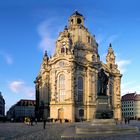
79 21
94 58
62 49
110 66
88 39
71 21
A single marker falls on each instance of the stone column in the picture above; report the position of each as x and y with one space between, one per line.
117 98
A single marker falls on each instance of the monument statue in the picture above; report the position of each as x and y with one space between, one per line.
102 83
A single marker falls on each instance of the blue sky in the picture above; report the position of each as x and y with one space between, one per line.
28 27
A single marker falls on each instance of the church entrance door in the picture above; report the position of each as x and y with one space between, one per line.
61 113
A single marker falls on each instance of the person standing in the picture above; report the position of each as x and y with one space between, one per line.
125 120
44 123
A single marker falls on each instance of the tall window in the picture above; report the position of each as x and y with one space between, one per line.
71 21
88 39
80 89
62 87
81 113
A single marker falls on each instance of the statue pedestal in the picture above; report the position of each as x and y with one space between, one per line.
103 124
103 109
99 128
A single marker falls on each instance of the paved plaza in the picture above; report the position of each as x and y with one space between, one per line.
54 131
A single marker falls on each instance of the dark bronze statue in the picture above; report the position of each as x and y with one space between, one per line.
102 83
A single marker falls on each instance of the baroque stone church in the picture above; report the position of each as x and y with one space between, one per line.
67 85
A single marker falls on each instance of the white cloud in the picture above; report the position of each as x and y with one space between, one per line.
105 38
127 84
47 44
20 87
130 87
100 38
16 86
122 64
112 38
7 58
47 32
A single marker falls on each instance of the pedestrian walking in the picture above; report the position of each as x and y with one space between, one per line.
31 121
44 123
125 120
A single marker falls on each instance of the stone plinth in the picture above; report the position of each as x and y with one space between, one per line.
105 126
106 129
99 127
103 109
99 122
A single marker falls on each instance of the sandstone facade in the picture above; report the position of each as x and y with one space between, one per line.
67 83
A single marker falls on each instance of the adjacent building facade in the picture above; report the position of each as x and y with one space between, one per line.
2 106
131 105
22 109
67 83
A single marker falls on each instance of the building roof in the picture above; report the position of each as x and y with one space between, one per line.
131 97
128 97
76 13
25 102
137 97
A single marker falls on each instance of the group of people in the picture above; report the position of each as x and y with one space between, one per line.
29 120
127 120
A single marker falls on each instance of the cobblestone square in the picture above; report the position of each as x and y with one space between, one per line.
53 131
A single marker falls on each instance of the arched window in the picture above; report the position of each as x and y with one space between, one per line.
80 89
110 66
62 49
71 21
94 58
79 21
88 39
62 87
